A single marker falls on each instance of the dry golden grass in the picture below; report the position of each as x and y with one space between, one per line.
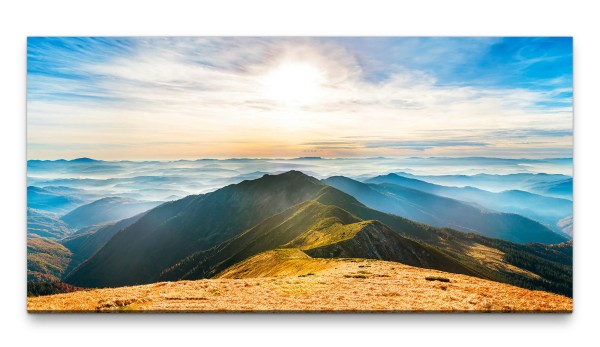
323 235
334 285
278 263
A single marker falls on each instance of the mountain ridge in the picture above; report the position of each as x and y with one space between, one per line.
197 224
546 210
441 211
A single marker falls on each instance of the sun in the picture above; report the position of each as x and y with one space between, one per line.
293 84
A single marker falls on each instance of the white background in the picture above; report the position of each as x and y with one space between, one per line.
19 19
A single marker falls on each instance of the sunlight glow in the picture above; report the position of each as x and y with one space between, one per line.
293 84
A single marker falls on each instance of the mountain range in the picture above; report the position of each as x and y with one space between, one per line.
497 183
440 211
201 235
546 210
51 201
559 189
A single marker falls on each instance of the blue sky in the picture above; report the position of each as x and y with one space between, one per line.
167 98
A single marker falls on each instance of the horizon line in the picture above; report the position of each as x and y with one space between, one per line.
294 158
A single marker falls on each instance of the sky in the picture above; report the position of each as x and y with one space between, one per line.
164 98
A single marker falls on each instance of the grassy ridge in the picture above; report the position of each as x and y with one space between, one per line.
323 231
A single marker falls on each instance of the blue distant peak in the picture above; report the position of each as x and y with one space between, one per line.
84 160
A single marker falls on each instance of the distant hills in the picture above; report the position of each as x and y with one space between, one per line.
560 189
76 160
52 201
546 210
445 212
517 181
106 210
198 235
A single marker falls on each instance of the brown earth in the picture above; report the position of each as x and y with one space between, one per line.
309 284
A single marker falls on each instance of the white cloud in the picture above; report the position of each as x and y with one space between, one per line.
206 94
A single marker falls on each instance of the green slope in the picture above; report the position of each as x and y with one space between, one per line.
319 230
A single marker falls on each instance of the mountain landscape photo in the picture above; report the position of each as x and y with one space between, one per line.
299 174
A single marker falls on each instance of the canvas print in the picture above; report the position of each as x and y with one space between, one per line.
299 174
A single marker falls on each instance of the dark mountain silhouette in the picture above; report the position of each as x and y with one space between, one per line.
87 241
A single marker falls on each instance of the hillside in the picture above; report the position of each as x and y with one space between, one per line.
47 260
493 259
324 231
177 229
105 210
295 282
546 210
445 212
45 224
87 241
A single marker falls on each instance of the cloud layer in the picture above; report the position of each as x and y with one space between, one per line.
167 98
